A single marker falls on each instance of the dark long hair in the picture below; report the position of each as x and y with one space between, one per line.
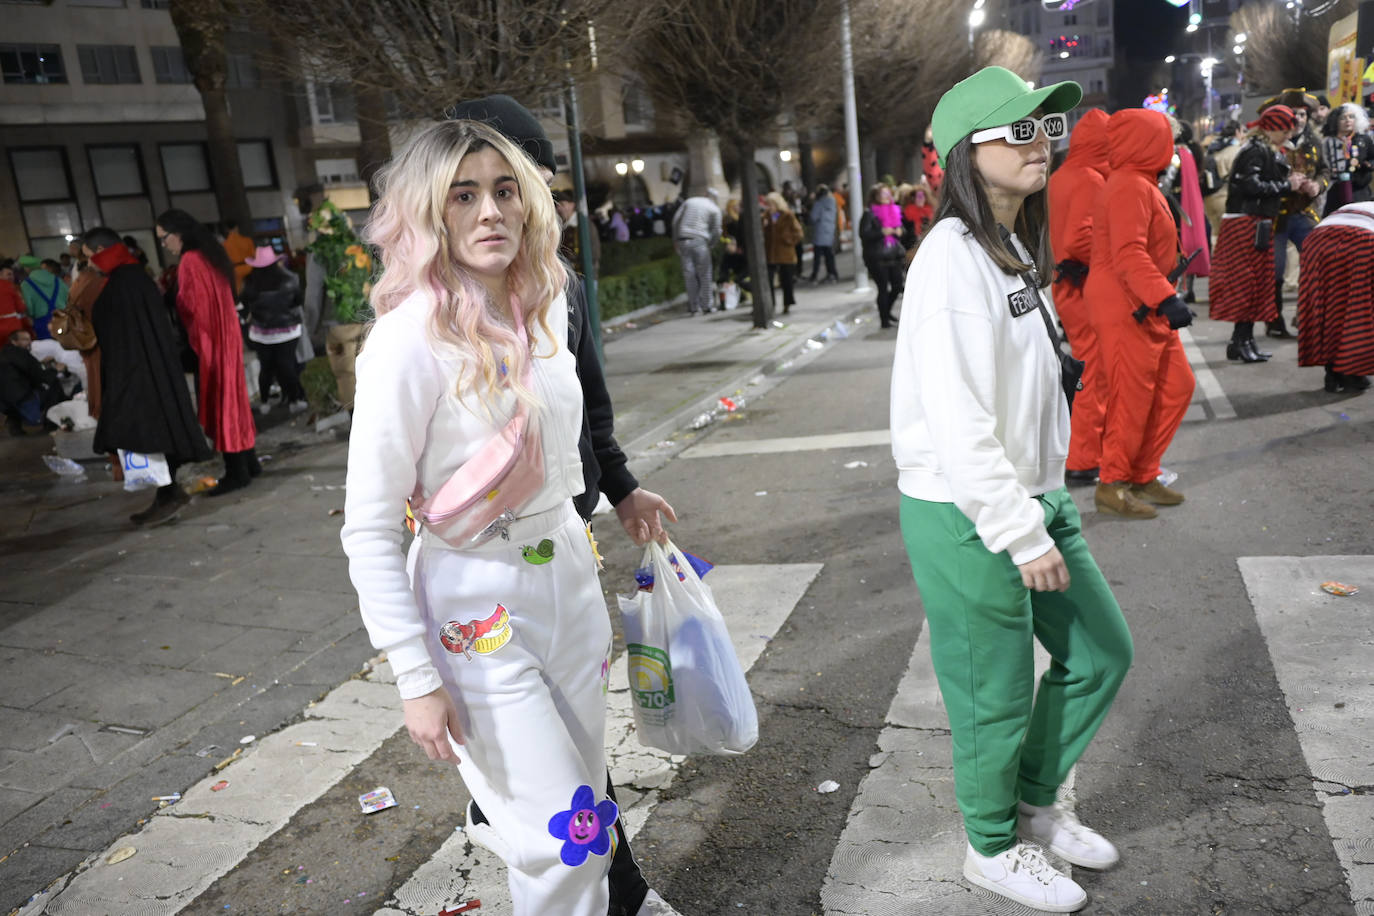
963 197
196 236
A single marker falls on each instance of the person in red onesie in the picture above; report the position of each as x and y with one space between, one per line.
1136 313
1074 189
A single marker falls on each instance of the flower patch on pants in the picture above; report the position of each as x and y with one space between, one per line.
585 828
481 636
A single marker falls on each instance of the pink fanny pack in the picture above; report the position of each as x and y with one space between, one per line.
488 491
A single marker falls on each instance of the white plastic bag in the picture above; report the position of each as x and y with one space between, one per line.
729 295
688 689
142 471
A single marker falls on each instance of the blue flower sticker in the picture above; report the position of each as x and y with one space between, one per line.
585 827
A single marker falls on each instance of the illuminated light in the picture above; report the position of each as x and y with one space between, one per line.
1170 59
637 165
622 168
1192 27
71 238
785 155
1238 49
1240 37
1194 18
1063 55
975 18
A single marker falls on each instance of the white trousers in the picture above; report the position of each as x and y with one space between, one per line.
520 634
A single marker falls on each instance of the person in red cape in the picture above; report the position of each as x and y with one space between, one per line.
145 405
1074 189
1136 314
204 295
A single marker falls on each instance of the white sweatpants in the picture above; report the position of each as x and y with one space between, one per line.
531 695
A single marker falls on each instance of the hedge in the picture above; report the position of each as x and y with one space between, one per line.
644 284
617 257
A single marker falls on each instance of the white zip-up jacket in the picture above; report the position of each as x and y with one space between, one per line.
978 412
409 425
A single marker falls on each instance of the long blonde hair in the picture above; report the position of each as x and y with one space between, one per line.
407 227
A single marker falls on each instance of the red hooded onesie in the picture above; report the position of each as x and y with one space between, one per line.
1135 245
1074 189
206 306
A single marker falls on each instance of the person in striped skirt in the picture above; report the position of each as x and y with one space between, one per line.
1242 290
1336 298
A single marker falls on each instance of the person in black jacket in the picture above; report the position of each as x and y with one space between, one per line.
883 253
27 389
273 297
145 404
604 465
1241 284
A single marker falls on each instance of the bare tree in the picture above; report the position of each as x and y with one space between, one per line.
1281 54
201 28
426 55
737 67
1007 49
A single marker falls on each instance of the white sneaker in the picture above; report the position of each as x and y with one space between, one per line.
264 408
1058 829
654 905
1022 874
298 406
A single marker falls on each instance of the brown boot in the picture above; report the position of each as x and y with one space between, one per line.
1117 499
1155 492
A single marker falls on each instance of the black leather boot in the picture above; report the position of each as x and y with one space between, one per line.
236 474
1256 354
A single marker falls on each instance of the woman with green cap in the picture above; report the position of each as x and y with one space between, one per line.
980 431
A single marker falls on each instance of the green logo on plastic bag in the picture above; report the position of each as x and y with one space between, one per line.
651 680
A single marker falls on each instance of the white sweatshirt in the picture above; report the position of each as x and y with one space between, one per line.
978 412
409 425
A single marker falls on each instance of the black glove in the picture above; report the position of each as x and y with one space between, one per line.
1179 315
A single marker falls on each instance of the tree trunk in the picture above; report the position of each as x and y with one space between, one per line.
201 26
224 162
868 162
759 287
808 165
374 135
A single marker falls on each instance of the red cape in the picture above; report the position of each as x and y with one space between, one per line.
206 306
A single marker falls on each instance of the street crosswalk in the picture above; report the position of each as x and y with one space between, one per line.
901 846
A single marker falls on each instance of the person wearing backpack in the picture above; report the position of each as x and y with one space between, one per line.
1218 160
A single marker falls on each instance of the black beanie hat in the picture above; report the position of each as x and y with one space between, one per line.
512 119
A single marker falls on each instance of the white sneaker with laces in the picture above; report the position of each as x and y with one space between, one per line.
1059 830
1022 874
654 905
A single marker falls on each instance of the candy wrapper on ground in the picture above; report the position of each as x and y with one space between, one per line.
1340 589
378 799
644 576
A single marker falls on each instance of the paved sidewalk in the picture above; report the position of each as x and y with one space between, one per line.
132 661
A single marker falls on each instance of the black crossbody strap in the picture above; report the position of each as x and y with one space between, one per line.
1034 288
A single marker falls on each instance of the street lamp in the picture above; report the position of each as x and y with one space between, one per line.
976 17
1170 59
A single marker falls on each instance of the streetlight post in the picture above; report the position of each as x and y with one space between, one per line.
851 144
976 17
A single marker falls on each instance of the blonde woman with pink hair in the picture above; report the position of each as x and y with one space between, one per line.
499 643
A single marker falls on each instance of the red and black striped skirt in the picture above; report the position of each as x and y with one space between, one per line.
1336 300
1241 287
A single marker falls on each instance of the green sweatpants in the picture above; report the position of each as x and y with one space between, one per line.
1009 743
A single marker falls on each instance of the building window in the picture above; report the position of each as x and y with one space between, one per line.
336 171
322 102
40 174
169 64
241 72
255 161
638 106
104 64
157 4
184 167
117 170
32 64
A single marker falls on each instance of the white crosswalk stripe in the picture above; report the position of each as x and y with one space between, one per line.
1323 671
902 850
279 775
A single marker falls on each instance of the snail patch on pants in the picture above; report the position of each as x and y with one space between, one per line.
538 556
481 636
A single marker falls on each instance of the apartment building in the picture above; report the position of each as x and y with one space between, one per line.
100 125
1076 38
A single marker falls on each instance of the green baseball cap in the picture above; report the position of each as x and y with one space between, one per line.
30 262
990 98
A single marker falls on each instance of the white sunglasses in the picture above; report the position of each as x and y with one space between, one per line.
1023 131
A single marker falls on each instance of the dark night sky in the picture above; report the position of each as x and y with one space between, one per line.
1146 30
